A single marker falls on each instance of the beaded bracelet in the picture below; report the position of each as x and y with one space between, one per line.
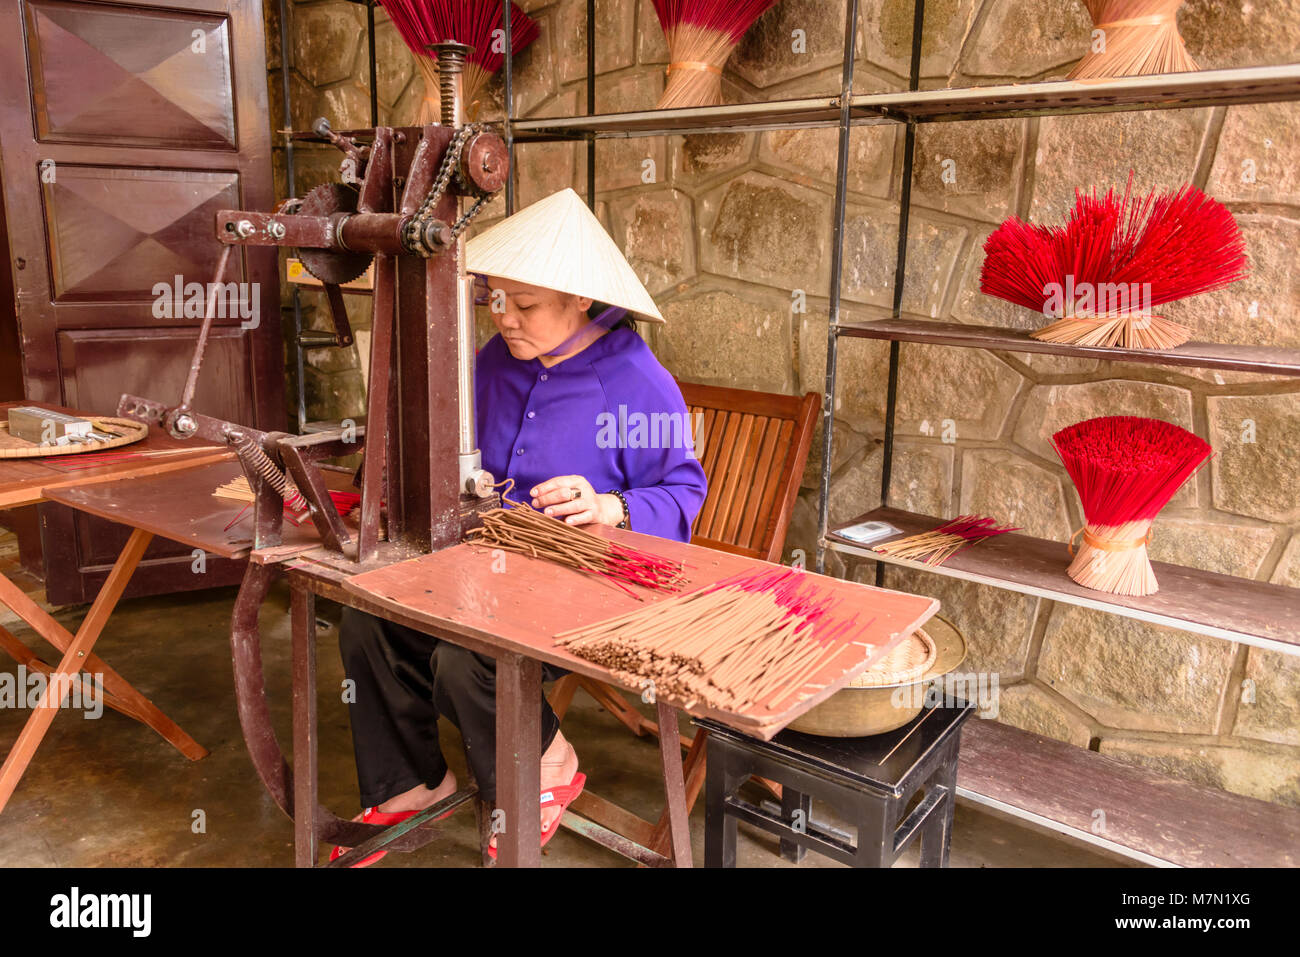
627 518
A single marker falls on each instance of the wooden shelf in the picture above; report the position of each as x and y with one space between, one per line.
1205 603
1201 355
1161 92
1164 91
1150 816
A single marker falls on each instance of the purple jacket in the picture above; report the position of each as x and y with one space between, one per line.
611 413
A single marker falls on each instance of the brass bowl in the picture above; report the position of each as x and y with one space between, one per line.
861 712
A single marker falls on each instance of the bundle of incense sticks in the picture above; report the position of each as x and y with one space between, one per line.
939 544
1126 469
1115 258
1132 38
478 23
701 35
523 529
756 639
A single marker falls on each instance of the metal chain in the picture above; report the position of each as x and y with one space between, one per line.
450 162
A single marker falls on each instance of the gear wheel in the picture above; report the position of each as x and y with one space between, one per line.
332 266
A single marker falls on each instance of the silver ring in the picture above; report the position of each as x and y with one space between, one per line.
577 494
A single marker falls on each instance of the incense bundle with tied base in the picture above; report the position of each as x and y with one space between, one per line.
477 23
1126 469
754 640
939 544
1133 38
701 35
1115 258
525 530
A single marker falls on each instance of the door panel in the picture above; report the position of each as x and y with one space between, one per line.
125 126
123 75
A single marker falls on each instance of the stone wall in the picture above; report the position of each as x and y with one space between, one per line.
725 229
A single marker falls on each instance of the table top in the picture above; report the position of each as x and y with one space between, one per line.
461 593
22 481
180 506
880 762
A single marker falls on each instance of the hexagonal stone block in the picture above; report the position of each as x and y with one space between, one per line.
952 395
871 253
770 54
765 230
1257 439
1014 491
1129 674
657 235
1262 309
1258 156
1030 708
972 169
326 38
813 154
1014 41
1228 33
1100 150
719 337
887 25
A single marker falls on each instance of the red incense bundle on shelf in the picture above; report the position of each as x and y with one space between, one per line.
939 544
1126 469
701 35
756 639
1132 38
1101 273
477 23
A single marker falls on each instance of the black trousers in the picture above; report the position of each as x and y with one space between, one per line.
404 680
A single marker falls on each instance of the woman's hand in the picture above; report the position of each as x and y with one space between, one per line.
556 497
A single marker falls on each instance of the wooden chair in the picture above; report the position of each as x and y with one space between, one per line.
753 446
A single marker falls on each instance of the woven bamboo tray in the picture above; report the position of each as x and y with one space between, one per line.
126 431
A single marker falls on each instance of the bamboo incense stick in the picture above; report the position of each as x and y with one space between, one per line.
752 639
939 544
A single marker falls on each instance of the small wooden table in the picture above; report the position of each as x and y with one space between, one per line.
30 482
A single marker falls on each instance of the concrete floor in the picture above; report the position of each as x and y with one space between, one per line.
110 792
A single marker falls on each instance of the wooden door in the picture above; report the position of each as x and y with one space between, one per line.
124 127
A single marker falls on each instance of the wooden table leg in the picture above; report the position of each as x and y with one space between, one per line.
519 760
74 659
120 695
670 753
302 615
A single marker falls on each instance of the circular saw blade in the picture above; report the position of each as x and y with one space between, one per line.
332 266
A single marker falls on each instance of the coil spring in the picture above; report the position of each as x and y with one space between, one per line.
256 460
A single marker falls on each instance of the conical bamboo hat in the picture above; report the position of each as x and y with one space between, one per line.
558 243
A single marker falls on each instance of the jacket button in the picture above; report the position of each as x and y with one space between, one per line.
532 415
519 451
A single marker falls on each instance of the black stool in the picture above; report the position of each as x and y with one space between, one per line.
868 780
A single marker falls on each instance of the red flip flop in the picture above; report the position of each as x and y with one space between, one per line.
383 819
561 796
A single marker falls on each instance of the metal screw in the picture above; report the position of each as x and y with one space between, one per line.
243 229
276 229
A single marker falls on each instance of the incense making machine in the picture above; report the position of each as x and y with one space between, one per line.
403 201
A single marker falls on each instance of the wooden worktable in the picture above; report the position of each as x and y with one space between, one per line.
456 593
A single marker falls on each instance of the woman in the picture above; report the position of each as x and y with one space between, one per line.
549 386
